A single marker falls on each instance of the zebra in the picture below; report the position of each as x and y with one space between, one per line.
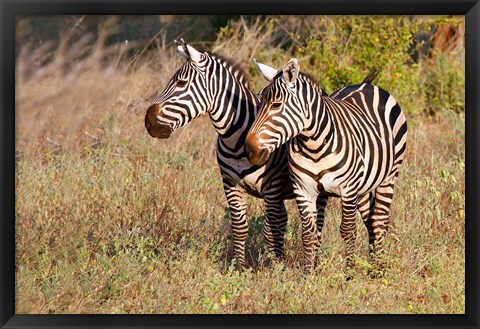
350 144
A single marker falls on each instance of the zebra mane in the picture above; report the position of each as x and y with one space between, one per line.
309 78
233 67
314 82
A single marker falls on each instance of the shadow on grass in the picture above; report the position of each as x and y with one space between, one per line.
256 255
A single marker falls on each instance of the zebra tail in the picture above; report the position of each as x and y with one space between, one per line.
371 76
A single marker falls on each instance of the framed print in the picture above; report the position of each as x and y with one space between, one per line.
239 164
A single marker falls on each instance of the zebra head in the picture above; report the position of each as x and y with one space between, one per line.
282 115
180 102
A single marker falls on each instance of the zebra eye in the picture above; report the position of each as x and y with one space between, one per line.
181 83
276 105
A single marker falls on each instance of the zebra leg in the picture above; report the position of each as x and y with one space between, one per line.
308 213
274 226
366 206
320 205
236 199
381 221
348 228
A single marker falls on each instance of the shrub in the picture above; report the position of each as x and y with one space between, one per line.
341 50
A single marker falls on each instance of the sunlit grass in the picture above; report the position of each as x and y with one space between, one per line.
109 220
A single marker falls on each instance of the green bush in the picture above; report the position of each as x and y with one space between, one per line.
444 83
341 50
344 49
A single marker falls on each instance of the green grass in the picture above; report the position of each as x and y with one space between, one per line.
141 227
109 220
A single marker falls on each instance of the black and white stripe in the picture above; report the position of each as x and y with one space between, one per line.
349 145
208 83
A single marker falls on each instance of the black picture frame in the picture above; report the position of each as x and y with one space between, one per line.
10 8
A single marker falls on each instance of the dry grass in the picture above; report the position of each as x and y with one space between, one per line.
109 220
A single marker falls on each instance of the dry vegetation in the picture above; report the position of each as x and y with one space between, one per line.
109 220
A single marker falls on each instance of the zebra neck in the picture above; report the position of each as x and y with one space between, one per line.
234 110
323 135
238 116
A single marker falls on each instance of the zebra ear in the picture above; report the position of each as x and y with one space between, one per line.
290 71
188 52
266 71
195 55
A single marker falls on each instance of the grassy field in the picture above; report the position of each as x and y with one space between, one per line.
109 220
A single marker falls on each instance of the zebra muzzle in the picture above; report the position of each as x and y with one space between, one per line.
255 154
160 131
155 128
